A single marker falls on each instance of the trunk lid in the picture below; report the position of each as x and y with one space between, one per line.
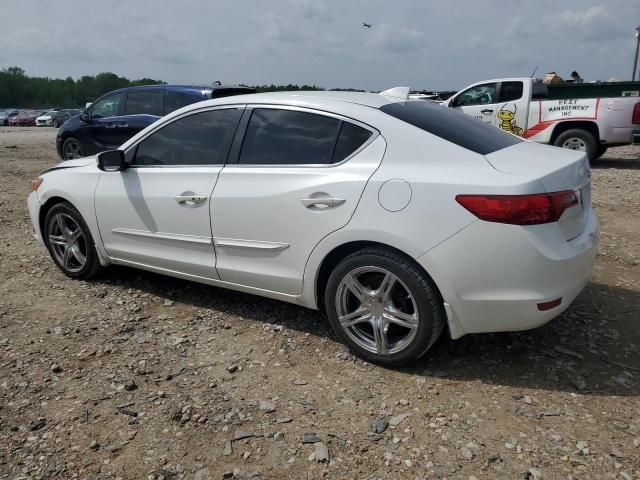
556 169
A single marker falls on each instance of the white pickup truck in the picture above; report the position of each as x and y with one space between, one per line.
587 117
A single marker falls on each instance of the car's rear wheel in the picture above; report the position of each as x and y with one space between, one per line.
70 242
56 123
383 306
71 148
580 140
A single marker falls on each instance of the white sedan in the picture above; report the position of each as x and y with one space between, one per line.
397 218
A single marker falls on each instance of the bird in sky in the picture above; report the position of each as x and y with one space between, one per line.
366 25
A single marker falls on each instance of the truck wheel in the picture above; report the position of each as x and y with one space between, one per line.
580 140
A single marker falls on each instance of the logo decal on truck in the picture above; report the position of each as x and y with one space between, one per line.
508 120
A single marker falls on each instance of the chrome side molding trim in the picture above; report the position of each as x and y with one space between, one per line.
252 244
175 237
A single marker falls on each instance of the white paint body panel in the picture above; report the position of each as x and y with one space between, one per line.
256 235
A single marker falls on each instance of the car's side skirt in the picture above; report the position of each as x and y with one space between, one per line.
297 299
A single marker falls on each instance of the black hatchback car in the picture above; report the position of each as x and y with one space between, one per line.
118 115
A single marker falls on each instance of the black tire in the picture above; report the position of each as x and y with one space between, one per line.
71 145
56 124
427 303
85 245
602 149
575 139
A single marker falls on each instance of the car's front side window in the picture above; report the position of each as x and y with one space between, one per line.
479 95
202 138
107 107
144 103
291 137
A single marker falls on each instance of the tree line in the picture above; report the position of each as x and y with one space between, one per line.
17 89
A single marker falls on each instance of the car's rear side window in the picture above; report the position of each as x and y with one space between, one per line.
289 137
144 103
175 100
451 125
351 138
199 139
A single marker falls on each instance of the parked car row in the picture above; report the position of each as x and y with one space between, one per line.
38 117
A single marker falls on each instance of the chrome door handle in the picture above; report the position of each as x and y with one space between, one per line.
191 200
486 111
112 125
123 125
321 203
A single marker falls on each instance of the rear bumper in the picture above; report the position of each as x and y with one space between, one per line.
492 276
635 137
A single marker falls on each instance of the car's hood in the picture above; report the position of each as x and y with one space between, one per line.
75 163
44 117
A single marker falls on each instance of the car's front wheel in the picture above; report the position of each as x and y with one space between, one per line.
71 148
383 306
70 242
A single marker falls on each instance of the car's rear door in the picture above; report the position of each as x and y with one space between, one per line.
298 176
156 212
141 109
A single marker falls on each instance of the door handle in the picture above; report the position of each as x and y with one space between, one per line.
486 111
191 200
322 202
122 125
110 125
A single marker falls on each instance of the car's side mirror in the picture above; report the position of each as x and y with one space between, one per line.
111 161
85 117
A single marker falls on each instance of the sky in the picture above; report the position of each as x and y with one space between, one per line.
423 44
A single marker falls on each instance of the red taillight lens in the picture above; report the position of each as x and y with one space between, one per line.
636 113
519 209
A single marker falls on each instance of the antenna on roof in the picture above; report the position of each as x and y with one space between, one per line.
397 92
534 72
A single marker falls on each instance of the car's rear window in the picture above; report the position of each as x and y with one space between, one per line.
451 125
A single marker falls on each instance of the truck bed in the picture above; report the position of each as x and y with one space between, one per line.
593 90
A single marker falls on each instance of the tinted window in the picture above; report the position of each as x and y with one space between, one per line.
148 103
451 125
478 95
350 139
289 137
510 91
175 100
199 139
539 91
108 106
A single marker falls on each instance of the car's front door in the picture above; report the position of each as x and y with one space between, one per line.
298 177
479 101
156 212
141 109
102 132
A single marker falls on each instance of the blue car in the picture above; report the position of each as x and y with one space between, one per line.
118 115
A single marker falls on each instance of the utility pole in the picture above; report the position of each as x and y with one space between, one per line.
635 57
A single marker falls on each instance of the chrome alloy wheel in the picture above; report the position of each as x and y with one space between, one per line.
67 242
376 310
575 143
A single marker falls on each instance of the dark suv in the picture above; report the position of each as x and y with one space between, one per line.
118 115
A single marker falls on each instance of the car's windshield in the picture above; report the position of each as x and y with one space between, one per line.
451 125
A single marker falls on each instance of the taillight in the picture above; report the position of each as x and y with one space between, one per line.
636 113
519 209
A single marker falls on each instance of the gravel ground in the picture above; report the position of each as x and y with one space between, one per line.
137 376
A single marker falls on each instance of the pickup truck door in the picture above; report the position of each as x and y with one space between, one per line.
480 101
513 106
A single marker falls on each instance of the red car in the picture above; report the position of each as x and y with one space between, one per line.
28 118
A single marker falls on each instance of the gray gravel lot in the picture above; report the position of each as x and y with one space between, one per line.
137 376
